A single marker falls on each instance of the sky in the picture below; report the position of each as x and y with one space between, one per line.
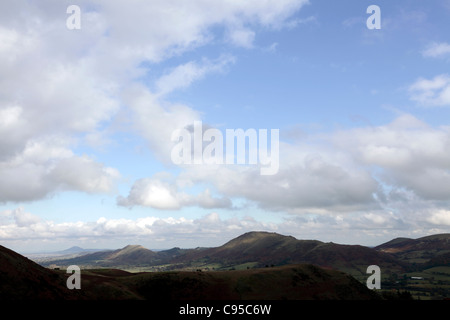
93 99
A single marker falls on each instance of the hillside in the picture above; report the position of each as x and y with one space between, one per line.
259 249
262 261
263 248
131 254
425 251
252 249
291 282
21 278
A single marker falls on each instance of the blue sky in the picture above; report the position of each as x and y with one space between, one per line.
86 117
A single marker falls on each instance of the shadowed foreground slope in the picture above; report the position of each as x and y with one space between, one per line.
21 278
292 282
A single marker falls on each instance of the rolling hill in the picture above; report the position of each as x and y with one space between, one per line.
423 252
263 248
298 269
22 279
290 282
131 254
259 249
250 250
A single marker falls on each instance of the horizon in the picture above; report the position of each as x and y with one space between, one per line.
169 248
127 122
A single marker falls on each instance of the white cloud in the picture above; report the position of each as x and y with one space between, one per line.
310 179
242 37
183 75
352 170
22 218
16 224
152 192
430 93
72 83
155 119
27 231
437 50
84 174
407 154
440 217
46 166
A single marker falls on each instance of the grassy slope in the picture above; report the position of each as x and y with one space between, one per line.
21 278
287 282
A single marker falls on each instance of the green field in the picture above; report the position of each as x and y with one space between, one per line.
429 284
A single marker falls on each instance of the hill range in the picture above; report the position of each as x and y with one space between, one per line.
261 249
23 279
291 267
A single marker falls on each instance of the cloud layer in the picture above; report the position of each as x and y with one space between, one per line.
26 231
69 85
61 90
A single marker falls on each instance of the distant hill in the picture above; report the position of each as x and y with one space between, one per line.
75 250
131 254
260 249
47 257
422 252
252 249
267 249
263 248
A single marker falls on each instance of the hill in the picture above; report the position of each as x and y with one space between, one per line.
21 278
423 252
262 248
250 250
259 249
291 282
130 255
45 257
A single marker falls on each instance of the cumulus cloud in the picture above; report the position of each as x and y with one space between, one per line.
155 193
183 75
73 83
242 37
437 50
407 152
431 92
46 166
440 217
155 119
213 229
60 88
351 170
17 224
310 179
387 176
